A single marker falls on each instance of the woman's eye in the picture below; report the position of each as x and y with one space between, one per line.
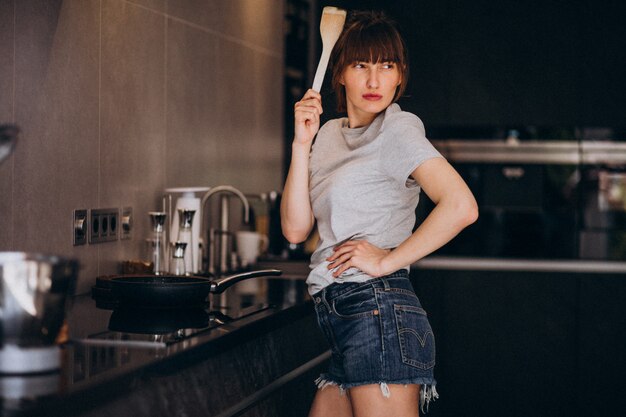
389 65
359 65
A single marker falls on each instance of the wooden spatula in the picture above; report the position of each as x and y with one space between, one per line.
331 26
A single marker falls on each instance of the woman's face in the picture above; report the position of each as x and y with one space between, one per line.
370 89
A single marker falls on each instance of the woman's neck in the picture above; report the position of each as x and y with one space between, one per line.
359 119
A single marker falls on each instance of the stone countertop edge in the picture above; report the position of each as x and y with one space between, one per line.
117 382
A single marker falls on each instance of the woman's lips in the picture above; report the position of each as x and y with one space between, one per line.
372 97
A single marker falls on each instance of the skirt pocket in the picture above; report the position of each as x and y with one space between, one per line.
416 338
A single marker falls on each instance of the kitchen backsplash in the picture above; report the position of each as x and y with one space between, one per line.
118 100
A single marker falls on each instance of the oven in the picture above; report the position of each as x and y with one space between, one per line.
540 199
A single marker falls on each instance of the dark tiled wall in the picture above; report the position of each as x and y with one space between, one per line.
119 99
6 114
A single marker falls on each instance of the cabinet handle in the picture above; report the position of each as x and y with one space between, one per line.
513 173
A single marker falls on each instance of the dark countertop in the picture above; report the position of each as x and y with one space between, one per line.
108 347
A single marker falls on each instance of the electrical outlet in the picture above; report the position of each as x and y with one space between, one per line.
127 223
80 227
104 225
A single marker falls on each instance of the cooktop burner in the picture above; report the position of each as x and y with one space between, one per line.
117 323
153 328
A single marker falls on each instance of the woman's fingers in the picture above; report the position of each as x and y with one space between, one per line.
341 270
311 98
307 117
310 105
339 260
308 112
310 93
359 254
344 248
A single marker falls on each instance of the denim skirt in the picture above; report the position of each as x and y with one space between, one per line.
378 333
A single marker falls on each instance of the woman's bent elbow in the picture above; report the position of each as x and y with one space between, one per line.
465 213
295 236
469 214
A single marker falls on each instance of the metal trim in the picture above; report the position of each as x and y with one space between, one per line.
527 265
267 390
533 152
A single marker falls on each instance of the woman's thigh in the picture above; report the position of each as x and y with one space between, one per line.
330 402
368 401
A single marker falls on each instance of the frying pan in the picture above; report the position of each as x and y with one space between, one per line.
175 291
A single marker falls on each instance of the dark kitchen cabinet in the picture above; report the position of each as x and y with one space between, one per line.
526 343
602 345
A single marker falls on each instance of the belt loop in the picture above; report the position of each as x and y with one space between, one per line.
323 296
385 283
317 298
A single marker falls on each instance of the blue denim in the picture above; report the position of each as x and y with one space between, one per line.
378 334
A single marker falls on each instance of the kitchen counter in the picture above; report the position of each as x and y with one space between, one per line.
111 351
255 335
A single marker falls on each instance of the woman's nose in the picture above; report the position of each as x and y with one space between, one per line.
372 79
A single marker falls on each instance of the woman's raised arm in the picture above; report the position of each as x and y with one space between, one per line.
296 215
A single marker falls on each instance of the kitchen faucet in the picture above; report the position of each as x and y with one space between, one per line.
219 265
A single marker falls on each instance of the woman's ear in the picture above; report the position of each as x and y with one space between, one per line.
405 72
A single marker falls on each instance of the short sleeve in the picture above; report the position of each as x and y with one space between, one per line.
404 147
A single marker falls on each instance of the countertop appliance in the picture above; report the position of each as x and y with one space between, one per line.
186 198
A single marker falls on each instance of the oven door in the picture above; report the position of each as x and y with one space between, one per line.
525 211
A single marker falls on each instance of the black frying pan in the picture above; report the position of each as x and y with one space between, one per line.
174 291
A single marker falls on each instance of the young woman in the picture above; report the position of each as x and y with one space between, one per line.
361 182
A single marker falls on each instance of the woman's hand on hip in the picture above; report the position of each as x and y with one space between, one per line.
359 254
307 117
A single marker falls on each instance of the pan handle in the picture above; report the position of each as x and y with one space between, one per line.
221 284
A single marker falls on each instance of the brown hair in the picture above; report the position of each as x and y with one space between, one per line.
368 36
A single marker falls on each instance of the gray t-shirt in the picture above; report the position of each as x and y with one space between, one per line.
360 186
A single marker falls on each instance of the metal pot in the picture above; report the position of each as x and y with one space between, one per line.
34 291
